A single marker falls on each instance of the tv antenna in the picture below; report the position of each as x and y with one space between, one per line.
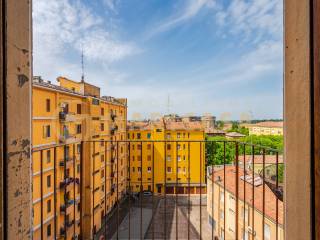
82 64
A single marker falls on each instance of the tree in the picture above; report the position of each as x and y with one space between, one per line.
219 152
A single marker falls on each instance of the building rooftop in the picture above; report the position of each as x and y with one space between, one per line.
164 124
270 124
234 134
258 159
38 81
270 197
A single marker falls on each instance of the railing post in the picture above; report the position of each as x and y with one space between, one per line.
105 189
41 192
176 189
55 191
141 189
200 177
152 190
165 186
189 175
237 192
129 180
81 188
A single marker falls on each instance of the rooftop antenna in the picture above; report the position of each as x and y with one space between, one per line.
82 64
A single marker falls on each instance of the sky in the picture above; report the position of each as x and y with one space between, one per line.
222 57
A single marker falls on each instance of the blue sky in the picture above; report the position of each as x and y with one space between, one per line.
222 57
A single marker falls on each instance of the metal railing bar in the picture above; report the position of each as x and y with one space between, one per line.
81 186
263 193
189 190
224 190
117 157
176 190
141 189
74 190
152 191
244 191
165 190
129 173
105 189
41 192
237 192
277 187
253 206
55 192
65 187
93 185
200 190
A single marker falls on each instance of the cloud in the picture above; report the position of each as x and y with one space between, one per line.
252 18
61 27
190 9
111 4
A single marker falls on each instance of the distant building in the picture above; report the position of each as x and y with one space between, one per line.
234 135
221 206
168 164
266 128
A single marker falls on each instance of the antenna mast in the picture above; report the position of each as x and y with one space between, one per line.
82 64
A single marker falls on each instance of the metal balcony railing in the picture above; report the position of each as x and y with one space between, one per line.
204 190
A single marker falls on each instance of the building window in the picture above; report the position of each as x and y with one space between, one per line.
232 220
179 158
48 156
178 135
102 158
133 169
132 158
79 148
149 169
222 197
102 111
49 230
168 135
221 214
149 158
149 146
168 146
102 127
102 173
132 135
78 128
49 181
138 135
139 146
178 147
168 158
46 131
78 108
139 169
48 105
148 135
267 234
95 101
49 206
169 169
78 168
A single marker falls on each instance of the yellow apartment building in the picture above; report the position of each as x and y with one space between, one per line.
265 128
160 166
221 207
64 117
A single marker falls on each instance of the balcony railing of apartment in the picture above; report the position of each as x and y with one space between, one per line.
190 190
